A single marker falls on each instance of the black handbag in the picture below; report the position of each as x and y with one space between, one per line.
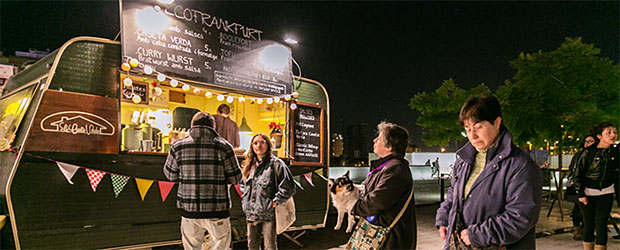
571 194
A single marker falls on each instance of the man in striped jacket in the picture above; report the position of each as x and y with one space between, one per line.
204 164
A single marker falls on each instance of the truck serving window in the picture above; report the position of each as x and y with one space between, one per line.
13 108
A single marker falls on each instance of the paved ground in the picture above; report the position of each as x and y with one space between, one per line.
552 232
549 229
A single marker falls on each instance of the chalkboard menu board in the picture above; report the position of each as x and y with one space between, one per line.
140 89
307 135
186 41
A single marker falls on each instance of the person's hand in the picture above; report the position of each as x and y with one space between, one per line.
273 204
442 232
583 200
465 237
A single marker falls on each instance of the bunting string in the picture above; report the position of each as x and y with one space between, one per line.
119 181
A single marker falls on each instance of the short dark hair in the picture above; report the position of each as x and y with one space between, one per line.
583 142
598 130
480 108
203 118
223 109
395 136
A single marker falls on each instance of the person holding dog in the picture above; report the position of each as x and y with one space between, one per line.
388 187
494 198
261 193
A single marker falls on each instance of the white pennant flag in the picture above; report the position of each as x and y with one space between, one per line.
68 170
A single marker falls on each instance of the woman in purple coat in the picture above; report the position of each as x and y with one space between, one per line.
495 196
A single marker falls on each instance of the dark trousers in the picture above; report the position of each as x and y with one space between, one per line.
595 216
577 218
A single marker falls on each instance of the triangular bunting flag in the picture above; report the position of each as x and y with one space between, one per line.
238 189
164 189
118 183
308 177
143 186
319 172
297 180
67 170
94 176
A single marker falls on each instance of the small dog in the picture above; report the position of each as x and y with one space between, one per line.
344 194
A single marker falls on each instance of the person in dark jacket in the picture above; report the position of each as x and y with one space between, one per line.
261 192
388 186
495 188
226 127
596 176
204 164
576 213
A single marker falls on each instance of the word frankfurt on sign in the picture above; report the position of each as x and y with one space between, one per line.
77 122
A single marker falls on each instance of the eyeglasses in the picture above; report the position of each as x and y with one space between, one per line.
256 143
589 141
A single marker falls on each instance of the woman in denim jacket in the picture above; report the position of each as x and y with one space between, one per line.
261 193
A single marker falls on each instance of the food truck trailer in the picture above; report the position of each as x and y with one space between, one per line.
82 149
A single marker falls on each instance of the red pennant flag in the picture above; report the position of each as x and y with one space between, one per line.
164 189
238 189
308 177
94 176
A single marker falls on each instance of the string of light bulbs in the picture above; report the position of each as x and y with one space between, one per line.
133 63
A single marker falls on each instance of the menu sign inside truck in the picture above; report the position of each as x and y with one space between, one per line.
184 40
306 138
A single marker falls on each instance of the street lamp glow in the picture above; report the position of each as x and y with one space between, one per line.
290 40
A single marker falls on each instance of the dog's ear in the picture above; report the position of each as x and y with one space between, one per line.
347 174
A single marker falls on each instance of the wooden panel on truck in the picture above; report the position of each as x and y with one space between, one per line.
77 123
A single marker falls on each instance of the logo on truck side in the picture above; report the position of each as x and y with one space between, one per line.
77 122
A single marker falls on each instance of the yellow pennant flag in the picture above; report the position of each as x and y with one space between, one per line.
143 186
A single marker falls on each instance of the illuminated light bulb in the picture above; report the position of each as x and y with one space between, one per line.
125 67
293 106
269 101
185 87
136 99
209 95
134 62
287 98
196 91
230 99
174 83
259 101
127 82
157 91
161 77
242 99
295 94
276 99
148 70
220 98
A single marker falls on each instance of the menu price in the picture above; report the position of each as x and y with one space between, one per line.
190 43
307 138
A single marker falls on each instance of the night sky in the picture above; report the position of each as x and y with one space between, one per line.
372 57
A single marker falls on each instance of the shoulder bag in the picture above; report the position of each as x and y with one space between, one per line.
367 236
285 212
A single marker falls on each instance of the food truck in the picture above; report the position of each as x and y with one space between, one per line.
84 139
